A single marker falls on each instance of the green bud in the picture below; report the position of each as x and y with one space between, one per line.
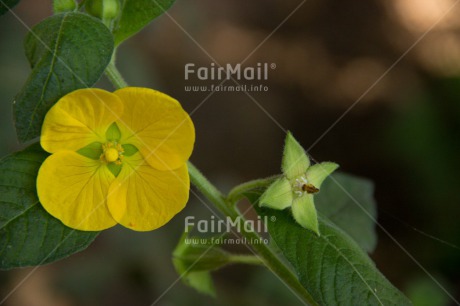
299 184
194 256
62 6
193 261
104 9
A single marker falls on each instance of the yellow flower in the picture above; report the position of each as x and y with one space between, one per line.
116 158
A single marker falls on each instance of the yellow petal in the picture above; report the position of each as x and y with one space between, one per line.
158 126
143 198
74 189
79 118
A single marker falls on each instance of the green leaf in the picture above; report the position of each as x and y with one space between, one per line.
28 234
349 203
332 267
200 281
136 14
67 52
6 5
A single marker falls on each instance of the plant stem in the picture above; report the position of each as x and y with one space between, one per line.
269 259
114 75
263 252
208 190
81 4
238 192
246 259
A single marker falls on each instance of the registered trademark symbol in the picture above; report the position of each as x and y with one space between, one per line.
273 66
273 218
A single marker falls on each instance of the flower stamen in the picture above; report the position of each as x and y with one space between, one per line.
112 152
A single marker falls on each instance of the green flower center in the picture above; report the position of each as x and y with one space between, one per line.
112 152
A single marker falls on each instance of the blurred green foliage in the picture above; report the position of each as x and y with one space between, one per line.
404 136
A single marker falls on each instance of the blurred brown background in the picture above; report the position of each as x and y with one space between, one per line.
396 61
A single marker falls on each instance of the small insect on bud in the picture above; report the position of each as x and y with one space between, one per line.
309 188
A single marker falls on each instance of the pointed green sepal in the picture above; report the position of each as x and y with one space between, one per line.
278 195
113 133
304 213
129 149
114 168
295 160
93 150
316 174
